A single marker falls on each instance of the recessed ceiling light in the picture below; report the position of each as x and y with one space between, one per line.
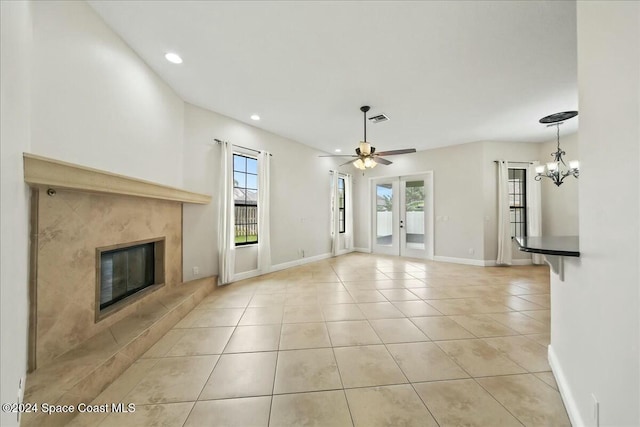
338 150
255 117
173 58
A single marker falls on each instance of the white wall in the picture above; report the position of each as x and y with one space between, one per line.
300 191
15 74
560 204
457 187
465 191
595 329
96 103
74 91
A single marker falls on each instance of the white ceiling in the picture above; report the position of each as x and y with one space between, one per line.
446 72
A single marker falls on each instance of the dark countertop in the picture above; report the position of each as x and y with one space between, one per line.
550 245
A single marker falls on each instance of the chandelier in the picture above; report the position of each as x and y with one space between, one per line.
553 169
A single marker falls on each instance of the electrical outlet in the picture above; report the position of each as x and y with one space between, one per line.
471 251
596 410
196 271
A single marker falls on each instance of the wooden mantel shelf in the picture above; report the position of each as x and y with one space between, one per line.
47 173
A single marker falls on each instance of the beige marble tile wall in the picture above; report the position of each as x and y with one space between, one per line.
70 226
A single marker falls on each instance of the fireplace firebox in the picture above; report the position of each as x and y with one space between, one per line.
127 271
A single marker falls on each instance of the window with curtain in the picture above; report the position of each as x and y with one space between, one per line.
518 202
341 206
245 195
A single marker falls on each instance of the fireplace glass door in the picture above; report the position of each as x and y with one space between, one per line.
125 271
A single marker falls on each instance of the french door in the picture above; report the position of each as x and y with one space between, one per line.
403 216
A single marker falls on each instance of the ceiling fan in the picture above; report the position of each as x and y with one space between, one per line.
366 155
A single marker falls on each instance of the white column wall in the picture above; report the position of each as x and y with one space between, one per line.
595 329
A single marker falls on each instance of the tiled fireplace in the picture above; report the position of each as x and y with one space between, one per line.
81 220
71 227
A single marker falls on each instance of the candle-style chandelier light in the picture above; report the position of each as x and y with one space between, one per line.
553 169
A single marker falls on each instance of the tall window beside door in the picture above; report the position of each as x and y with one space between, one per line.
518 202
341 205
245 195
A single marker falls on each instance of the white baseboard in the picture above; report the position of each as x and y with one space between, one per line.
513 262
246 275
344 252
467 261
254 273
565 390
300 261
364 250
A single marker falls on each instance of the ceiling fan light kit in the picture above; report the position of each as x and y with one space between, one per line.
366 155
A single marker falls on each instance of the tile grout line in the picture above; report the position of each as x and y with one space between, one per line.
275 368
333 351
369 320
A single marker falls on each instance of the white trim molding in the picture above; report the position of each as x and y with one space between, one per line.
344 251
300 261
466 261
245 275
363 250
565 390
490 263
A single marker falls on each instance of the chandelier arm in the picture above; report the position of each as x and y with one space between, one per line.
557 180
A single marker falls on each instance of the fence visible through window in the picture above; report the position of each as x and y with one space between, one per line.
245 195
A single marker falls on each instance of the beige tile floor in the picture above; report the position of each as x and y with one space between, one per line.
358 340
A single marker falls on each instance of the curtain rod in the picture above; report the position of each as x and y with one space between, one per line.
240 146
513 161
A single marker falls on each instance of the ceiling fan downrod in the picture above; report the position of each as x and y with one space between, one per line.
364 109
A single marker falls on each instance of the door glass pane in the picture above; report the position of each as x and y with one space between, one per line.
414 214
384 214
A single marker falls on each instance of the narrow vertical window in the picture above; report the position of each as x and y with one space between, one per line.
518 202
245 195
341 205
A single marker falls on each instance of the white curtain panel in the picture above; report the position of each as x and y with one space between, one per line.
504 223
348 205
226 222
334 213
534 209
264 232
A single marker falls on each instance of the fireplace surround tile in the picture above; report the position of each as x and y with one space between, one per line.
70 226
84 372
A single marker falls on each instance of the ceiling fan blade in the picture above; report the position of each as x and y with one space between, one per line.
337 155
393 152
381 161
344 164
